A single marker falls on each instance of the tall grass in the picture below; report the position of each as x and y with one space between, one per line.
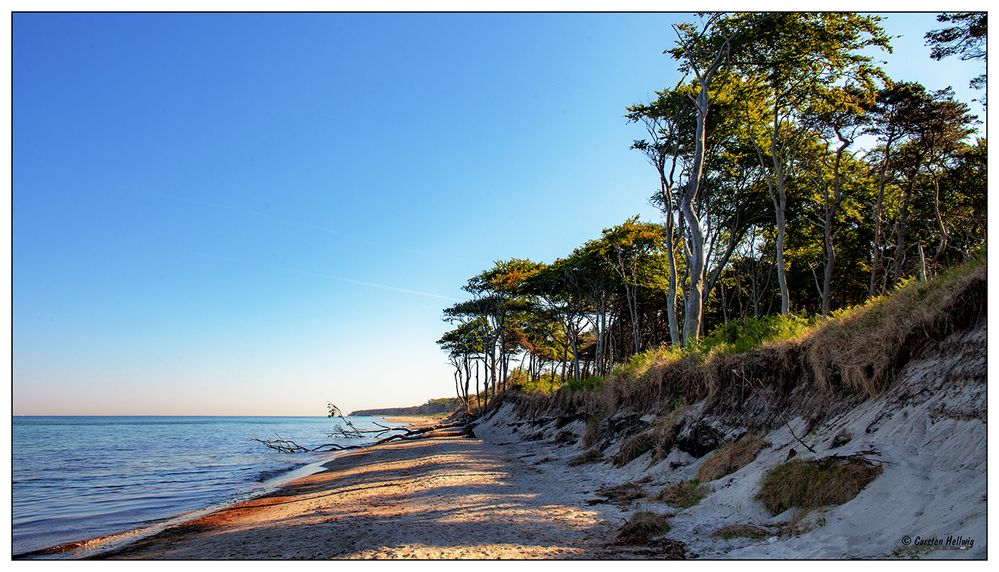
857 350
862 347
745 334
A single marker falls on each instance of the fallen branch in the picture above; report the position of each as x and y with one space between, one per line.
803 444
402 434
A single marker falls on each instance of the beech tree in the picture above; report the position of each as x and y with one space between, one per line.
788 60
791 174
966 39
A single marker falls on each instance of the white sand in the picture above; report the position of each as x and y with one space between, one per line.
928 432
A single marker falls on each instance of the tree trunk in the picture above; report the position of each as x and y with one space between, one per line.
831 209
780 205
692 315
785 297
944 234
878 220
901 231
674 330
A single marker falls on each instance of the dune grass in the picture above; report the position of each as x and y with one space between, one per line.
684 494
814 483
622 493
730 457
860 347
857 350
742 531
588 456
642 527
634 447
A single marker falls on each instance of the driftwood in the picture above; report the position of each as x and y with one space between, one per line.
348 431
798 439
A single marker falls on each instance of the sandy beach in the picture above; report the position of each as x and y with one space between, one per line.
435 498
516 490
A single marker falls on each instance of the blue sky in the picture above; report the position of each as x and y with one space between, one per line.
254 214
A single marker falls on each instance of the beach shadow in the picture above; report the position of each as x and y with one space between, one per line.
435 498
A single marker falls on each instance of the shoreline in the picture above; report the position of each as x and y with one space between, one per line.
108 543
442 497
93 547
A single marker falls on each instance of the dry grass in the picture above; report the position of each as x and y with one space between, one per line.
564 438
730 458
665 432
814 483
592 433
683 494
588 456
742 531
861 348
855 353
642 527
634 447
622 493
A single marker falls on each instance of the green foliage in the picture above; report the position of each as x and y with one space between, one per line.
585 383
544 385
965 39
639 364
795 217
737 336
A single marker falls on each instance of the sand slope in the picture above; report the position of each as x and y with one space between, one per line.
928 432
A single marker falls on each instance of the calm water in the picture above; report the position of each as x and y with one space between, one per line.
80 477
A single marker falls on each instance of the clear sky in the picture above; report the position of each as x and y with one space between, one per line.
256 214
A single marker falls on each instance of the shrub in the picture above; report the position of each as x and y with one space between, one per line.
684 494
639 364
814 483
642 527
742 531
730 458
544 385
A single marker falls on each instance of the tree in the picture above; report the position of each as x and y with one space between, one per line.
626 248
837 116
463 345
787 59
666 121
892 119
965 39
939 125
703 51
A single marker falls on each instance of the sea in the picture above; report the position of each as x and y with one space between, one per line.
79 478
